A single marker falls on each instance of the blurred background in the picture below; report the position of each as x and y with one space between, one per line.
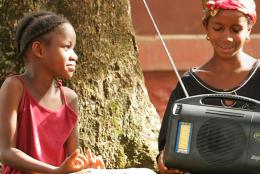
180 24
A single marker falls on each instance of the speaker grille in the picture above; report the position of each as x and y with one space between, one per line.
221 141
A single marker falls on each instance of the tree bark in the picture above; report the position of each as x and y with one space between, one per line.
117 119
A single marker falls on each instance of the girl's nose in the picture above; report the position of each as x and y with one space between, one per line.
74 55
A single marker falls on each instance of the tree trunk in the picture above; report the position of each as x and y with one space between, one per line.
117 119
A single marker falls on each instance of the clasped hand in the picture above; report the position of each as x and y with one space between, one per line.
77 161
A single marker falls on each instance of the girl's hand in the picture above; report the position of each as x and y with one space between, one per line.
163 169
94 161
74 163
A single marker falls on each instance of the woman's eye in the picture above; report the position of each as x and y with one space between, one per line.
236 30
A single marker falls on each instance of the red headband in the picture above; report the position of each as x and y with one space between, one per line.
245 6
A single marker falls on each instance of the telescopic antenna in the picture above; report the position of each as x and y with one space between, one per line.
166 49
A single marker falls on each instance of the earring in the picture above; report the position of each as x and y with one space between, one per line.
207 37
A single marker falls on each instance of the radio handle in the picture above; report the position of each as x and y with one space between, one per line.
231 97
250 104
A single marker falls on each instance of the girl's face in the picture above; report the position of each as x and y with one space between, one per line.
60 58
228 31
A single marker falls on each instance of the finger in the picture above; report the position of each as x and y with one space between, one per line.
94 161
89 153
80 149
88 163
84 159
100 162
74 155
94 158
80 163
89 156
77 160
173 171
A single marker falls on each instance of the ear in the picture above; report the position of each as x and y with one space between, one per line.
205 26
37 49
248 34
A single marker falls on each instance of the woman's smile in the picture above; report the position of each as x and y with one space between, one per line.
226 47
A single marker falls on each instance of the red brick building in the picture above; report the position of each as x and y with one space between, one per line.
180 24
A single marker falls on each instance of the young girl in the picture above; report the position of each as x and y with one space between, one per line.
37 115
228 24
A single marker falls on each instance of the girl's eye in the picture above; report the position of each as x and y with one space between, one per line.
66 47
217 28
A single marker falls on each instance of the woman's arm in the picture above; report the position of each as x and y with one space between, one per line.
163 169
176 94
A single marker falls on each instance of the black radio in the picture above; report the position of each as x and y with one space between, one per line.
206 138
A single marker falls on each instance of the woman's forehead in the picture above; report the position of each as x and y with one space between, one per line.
229 16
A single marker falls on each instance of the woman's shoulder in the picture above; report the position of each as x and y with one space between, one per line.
188 75
187 81
255 73
186 78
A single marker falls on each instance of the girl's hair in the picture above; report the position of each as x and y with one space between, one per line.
34 26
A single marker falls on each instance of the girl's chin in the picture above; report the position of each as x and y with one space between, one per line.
67 76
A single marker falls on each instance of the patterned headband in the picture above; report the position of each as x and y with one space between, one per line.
211 7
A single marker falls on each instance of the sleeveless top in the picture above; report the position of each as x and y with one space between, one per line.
42 133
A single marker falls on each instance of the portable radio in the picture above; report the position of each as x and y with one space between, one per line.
205 138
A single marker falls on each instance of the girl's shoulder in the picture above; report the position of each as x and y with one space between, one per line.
71 97
69 93
13 83
11 90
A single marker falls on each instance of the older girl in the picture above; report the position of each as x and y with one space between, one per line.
228 24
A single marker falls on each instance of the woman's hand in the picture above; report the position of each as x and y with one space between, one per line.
94 161
74 163
163 169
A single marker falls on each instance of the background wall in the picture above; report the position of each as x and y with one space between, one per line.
180 23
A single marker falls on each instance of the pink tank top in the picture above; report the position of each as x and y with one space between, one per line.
42 133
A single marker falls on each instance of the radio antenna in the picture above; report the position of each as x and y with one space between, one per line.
167 51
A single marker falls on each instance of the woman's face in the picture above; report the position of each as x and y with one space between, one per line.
228 31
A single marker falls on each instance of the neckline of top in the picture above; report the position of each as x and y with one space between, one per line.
216 90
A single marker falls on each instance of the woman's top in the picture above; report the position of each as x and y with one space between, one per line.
195 86
41 132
